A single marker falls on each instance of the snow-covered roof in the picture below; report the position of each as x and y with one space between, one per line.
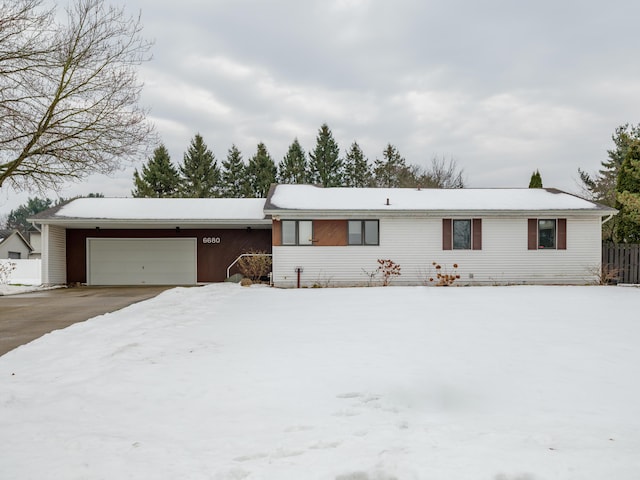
157 210
312 198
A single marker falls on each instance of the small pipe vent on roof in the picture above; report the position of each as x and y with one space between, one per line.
388 202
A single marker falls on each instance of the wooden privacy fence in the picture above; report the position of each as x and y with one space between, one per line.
622 261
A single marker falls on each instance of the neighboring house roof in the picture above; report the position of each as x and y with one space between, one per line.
5 235
309 198
155 211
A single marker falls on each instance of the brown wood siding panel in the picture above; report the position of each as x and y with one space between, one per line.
447 240
330 233
532 234
477 234
562 234
213 259
276 232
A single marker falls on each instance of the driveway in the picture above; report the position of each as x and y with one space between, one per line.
28 316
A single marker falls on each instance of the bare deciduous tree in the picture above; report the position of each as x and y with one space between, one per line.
68 93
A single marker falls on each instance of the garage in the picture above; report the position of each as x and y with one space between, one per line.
141 261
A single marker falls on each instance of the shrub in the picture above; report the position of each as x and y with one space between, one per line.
256 265
246 282
6 269
388 269
444 278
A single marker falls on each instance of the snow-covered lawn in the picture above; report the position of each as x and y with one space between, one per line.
225 382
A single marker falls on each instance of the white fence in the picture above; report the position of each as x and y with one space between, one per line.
27 272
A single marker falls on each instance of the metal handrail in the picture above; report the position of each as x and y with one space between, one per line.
247 255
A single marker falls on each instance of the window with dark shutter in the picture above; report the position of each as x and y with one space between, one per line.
462 234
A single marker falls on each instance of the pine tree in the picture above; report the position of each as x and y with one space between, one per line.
293 167
392 171
234 181
261 172
357 171
601 187
159 177
325 165
536 180
628 196
199 172
17 218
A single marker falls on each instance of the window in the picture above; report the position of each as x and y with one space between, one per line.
363 232
463 234
297 232
547 234
14 255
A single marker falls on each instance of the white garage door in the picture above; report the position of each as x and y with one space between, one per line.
141 261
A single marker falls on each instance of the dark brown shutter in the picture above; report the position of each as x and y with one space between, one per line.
532 236
447 241
276 232
476 242
562 234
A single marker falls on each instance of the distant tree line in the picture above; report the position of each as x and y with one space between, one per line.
201 176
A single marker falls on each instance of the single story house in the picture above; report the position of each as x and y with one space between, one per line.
335 236
13 245
328 237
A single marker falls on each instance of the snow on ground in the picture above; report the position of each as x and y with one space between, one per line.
16 289
223 382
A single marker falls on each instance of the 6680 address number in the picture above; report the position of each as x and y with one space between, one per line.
210 239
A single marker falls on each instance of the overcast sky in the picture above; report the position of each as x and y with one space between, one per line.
502 87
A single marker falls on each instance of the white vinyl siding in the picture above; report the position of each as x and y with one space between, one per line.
414 243
149 261
54 255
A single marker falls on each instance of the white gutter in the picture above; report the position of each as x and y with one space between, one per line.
608 218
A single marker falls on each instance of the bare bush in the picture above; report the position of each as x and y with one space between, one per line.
255 265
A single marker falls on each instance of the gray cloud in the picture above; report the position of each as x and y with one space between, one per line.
502 87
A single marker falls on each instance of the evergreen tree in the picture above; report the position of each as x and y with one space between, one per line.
293 167
261 172
601 187
159 177
17 218
392 171
199 172
357 171
536 180
628 196
325 164
234 182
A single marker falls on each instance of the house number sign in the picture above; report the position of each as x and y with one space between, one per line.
210 239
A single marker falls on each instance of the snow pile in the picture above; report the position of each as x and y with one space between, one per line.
224 382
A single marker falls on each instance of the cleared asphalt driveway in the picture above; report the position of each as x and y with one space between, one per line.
28 316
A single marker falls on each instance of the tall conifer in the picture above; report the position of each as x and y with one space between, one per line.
293 167
261 172
357 170
234 175
159 178
199 172
325 165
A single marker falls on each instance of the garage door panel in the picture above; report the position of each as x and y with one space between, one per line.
162 261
